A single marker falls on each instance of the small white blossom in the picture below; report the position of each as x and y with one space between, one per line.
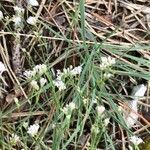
72 105
107 75
43 82
33 129
2 68
76 70
17 20
29 74
59 84
106 121
85 100
69 71
69 107
136 140
1 15
31 20
100 109
18 9
59 72
106 62
14 139
34 84
40 69
33 2
65 110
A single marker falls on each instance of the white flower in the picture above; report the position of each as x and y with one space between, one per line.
65 110
17 20
14 139
1 15
136 140
34 84
111 60
106 62
40 69
72 106
33 129
100 109
76 70
85 101
59 84
31 20
42 81
2 68
69 71
29 74
59 73
106 121
107 75
69 107
33 2
19 10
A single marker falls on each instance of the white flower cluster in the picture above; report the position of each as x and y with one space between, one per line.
107 62
32 20
59 84
66 72
19 15
69 71
95 129
17 19
69 107
100 111
14 139
67 110
136 140
33 129
37 70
